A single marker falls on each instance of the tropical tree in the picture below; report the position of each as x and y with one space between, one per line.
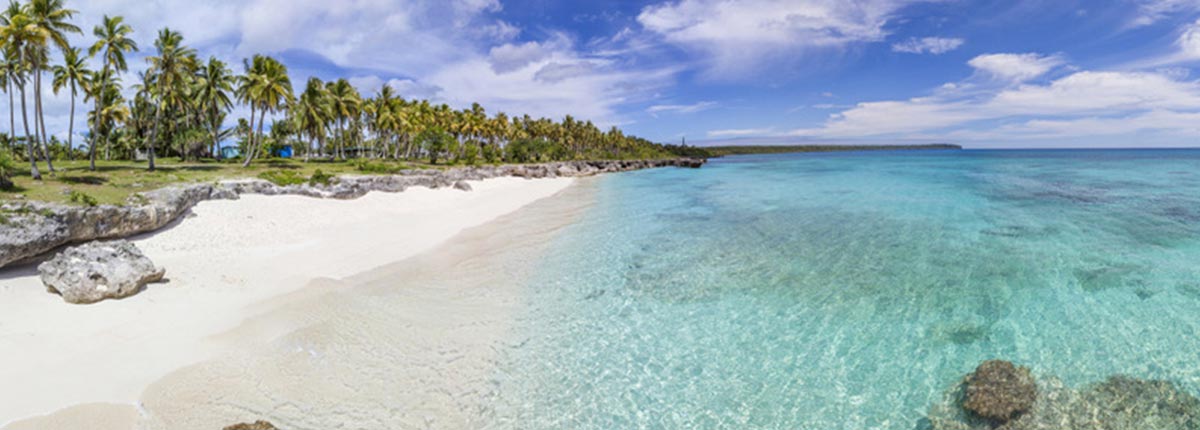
48 18
346 104
312 114
169 72
214 88
69 74
19 33
112 42
266 88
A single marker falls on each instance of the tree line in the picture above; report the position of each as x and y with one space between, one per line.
180 104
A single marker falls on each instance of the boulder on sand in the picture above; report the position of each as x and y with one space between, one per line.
1000 391
97 271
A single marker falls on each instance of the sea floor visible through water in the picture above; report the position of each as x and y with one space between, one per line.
803 291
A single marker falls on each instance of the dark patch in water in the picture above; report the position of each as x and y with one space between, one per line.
1108 277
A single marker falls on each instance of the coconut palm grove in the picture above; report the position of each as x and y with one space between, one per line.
182 106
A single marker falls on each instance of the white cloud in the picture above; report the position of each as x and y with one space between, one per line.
1015 67
741 132
928 45
681 109
737 36
509 57
1189 41
1085 103
1152 11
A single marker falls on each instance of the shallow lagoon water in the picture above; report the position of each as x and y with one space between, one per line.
851 290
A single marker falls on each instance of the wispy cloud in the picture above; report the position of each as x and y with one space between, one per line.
1016 67
681 109
928 45
736 38
741 132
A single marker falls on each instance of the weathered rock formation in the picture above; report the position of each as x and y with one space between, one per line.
97 271
36 228
1000 391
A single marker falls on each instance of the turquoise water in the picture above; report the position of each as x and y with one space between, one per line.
850 290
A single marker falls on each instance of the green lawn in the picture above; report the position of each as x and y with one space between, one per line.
114 181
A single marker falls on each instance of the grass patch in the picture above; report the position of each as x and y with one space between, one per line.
319 177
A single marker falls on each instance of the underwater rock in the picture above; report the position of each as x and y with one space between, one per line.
257 425
1000 391
1120 403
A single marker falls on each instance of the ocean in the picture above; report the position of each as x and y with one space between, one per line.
853 290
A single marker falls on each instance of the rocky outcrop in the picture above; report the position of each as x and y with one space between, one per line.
98 271
35 228
1000 391
462 186
257 425
1119 403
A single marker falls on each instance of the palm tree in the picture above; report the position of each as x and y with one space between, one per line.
70 74
112 41
312 113
168 73
346 103
267 88
50 18
9 68
18 34
215 84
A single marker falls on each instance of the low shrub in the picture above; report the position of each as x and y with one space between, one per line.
7 168
379 167
80 197
283 178
320 178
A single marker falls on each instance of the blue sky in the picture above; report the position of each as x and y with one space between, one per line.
1006 73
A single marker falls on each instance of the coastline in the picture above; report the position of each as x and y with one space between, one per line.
227 263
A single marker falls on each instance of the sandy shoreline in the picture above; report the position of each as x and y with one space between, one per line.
228 262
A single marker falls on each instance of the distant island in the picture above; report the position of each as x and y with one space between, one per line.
720 151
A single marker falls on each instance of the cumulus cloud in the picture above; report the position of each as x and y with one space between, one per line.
1083 103
928 45
736 36
1015 67
510 57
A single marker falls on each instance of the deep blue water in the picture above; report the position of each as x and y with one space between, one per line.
850 290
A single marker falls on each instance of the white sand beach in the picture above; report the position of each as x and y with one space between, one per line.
227 263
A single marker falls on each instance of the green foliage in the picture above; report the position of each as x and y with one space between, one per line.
319 177
379 167
80 197
283 178
7 168
436 143
471 153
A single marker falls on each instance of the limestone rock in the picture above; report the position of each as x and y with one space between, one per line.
462 186
1000 391
97 271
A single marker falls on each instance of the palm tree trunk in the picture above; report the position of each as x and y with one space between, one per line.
262 118
42 121
96 127
12 109
33 169
249 140
71 126
153 135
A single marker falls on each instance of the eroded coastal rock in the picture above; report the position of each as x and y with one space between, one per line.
1119 403
35 228
98 271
